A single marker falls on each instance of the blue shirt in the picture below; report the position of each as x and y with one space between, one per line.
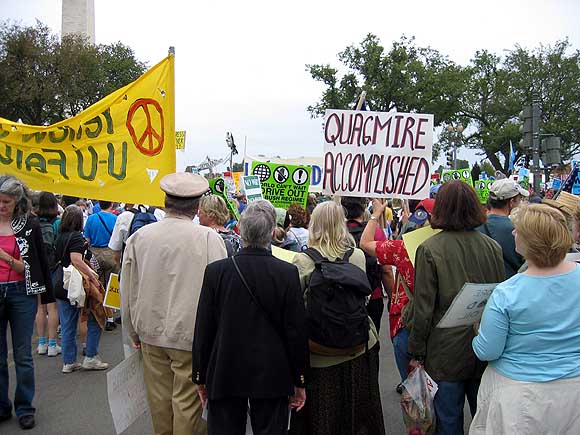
530 329
98 233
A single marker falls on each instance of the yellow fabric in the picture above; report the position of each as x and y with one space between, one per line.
172 395
117 149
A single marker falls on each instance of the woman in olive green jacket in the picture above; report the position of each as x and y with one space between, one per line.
443 264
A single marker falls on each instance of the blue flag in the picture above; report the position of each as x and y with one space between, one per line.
512 157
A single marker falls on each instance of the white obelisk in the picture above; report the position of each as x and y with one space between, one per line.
78 16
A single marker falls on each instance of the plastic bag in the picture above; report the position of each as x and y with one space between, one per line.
417 403
73 283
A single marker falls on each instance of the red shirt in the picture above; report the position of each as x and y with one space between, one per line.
8 243
393 252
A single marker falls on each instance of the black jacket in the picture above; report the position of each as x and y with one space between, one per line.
33 253
236 350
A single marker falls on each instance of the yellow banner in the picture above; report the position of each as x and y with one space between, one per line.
180 140
112 296
117 150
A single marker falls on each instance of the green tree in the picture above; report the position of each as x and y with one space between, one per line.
405 78
44 80
499 87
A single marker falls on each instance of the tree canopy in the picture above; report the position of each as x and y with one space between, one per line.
485 96
44 79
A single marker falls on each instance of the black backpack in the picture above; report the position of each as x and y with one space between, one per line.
336 303
143 216
374 269
49 239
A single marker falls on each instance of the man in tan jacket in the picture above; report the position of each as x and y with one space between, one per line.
161 278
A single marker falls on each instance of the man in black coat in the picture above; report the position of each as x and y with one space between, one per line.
250 340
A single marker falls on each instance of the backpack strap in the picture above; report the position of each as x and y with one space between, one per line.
105 225
314 255
347 254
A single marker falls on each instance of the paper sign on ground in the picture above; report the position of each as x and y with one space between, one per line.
283 184
113 296
126 392
415 238
467 307
283 254
252 187
377 154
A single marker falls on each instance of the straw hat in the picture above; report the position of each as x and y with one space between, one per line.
566 203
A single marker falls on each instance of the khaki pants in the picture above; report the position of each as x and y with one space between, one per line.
175 406
107 264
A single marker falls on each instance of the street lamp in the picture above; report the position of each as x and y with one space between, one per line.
455 135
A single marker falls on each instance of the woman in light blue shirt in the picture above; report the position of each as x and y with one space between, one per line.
530 334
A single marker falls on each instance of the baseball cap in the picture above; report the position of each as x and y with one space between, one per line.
422 211
506 189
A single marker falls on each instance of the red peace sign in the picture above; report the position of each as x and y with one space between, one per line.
150 148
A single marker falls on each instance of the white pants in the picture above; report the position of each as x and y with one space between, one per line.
509 407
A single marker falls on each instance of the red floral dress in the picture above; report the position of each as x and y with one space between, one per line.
393 252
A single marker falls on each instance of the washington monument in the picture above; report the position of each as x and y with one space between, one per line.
78 16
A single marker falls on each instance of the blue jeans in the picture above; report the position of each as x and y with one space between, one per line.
401 350
21 315
449 403
69 320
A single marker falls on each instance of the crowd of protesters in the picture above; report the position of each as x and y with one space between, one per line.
224 325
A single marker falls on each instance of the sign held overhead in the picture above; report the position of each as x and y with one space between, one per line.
377 154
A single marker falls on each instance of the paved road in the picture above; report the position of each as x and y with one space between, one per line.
77 403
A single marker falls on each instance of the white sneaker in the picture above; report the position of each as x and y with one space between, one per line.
73 367
54 350
42 349
94 363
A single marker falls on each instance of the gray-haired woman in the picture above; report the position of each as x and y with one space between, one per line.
24 274
250 334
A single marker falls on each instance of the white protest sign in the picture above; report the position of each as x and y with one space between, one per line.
252 187
377 154
126 392
467 307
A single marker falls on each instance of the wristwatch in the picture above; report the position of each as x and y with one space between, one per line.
374 218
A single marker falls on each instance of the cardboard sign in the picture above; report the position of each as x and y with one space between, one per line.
252 187
118 149
180 140
218 187
113 296
415 238
126 392
283 254
459 174
377 154
315 164
467 307
282 184
482 189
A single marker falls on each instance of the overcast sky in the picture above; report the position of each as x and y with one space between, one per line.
240 65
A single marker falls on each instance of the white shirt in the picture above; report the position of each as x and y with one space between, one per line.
123 225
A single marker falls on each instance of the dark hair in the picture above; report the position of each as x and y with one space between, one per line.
182 206
72 219
47 205
69 200
354 207
105 205
457 208
498 203
299 217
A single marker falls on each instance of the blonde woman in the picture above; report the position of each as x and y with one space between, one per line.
342 389
213 213
530 334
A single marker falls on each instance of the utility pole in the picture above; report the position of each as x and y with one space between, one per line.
536 114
